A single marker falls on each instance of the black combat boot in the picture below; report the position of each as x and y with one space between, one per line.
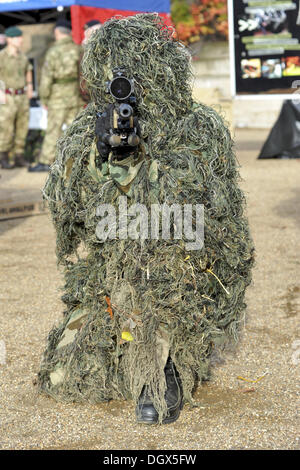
39 167
145 411
4 161
20 161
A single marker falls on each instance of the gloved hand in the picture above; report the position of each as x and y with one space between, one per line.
103 125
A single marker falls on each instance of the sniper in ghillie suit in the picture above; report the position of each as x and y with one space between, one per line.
143 315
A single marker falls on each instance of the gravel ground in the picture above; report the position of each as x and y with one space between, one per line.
233 413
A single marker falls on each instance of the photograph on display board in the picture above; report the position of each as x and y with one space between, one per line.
251 68
271 68
266 43
291 66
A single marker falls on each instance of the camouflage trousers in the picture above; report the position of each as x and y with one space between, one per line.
14 119
57 117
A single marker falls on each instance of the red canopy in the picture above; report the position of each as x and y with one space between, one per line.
80 15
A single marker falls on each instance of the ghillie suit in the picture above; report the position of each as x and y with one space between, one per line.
124 295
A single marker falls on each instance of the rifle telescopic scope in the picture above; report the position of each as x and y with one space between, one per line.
121 88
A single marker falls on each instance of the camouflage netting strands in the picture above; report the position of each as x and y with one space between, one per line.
121 296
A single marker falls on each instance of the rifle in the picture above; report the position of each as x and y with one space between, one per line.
117 127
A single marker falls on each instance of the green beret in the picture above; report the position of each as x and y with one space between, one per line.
13 32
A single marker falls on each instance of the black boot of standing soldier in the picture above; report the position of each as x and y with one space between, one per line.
4 161
39 167
20 161
145 411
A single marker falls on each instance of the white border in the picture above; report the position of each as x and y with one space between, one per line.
231 47
274 96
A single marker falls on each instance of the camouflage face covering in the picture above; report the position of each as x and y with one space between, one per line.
128 301
122 172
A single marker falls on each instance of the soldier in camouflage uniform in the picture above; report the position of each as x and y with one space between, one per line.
15 92
59 90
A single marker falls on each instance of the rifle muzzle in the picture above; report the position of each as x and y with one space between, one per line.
125 110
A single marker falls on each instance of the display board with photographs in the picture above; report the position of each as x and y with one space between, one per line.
266 46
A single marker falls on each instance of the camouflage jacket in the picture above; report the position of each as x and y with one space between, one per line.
13 69
59 86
